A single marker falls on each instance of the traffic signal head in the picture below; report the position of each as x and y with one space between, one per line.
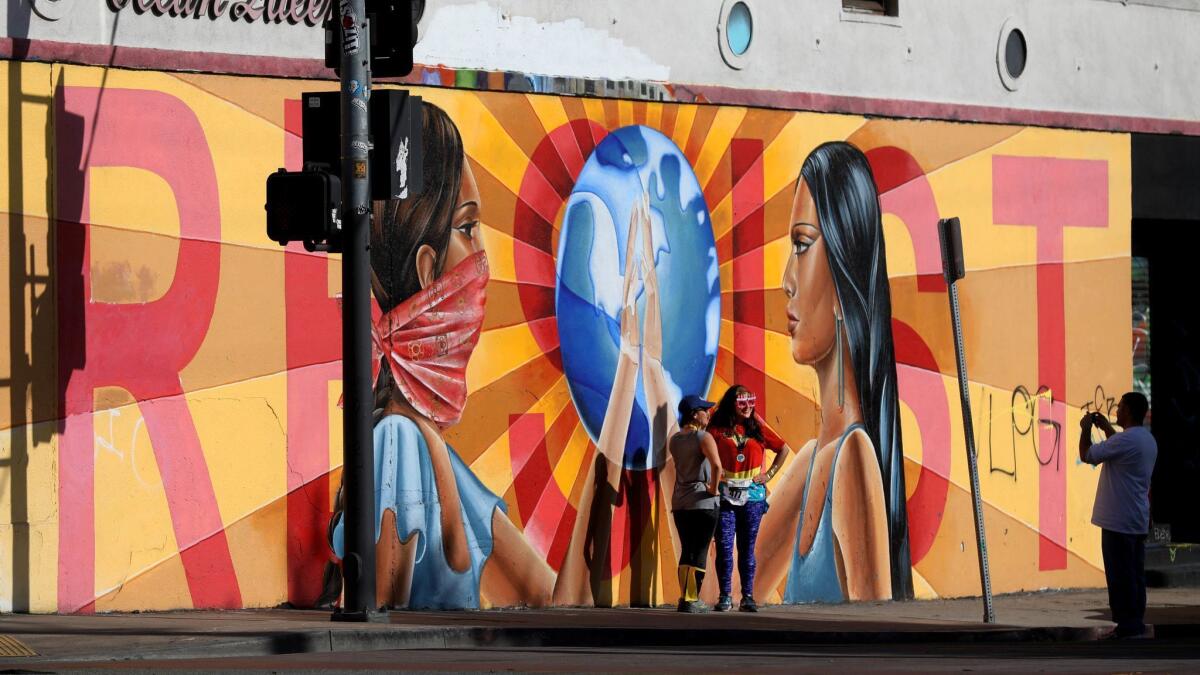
303 206
395 156
393 28
393 36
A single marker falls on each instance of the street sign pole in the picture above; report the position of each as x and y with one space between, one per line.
950 233
358 564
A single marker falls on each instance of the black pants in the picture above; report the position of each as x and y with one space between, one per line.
1125 571
695 527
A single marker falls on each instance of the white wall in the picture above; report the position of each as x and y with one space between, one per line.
1111 57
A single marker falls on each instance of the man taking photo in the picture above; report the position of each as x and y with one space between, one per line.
1122 508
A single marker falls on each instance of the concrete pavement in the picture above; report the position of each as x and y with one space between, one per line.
1068 616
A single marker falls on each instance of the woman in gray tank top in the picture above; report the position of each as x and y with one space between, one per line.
695 502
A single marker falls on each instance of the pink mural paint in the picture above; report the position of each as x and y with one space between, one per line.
1050 194
314 353
909 197
107 344
923 391
749 302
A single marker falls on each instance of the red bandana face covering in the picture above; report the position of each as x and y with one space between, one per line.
429 337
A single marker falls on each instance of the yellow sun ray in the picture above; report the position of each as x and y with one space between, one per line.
499 352
654 112
549 110
683 125
625 112
494 465
488 144
594 109
716 142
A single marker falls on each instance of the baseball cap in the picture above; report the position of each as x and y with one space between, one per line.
693 402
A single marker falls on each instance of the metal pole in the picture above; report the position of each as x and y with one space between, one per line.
358 565
989 615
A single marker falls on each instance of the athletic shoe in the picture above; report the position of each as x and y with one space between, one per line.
748 604
724 604
694 607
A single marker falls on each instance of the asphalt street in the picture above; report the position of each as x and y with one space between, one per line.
1096 657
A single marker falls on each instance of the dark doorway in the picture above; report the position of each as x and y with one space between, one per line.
1165 249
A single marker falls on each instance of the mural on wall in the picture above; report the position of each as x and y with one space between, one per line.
586 262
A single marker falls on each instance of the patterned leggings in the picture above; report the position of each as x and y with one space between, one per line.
740 522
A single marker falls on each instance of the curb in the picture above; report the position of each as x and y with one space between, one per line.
355 640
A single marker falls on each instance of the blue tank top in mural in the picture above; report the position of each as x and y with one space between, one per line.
404 483
813 577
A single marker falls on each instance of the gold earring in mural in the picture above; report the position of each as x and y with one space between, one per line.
840 365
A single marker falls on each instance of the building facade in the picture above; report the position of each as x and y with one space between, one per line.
171 425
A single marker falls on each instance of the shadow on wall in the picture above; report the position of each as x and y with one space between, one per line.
38 250
30 377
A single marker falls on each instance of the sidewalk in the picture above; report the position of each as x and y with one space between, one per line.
1045 616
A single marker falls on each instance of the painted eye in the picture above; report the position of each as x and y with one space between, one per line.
468 229
799 246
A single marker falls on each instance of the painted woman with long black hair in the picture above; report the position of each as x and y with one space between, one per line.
837 527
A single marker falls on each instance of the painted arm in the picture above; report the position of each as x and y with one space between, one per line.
454 535
590 537
658 395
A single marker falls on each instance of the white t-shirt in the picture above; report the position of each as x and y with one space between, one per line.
1123 495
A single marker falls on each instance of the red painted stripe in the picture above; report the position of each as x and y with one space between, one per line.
534 266
569 153
904 192
541 503
168 59
924 392
749 308
314 353
545 332
308 507
160 134
162 59
957 112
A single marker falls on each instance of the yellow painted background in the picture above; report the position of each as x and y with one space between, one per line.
236 386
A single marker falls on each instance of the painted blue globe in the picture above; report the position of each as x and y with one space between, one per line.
629 163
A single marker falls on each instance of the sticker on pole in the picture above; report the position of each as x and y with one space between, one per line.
349 28
402 170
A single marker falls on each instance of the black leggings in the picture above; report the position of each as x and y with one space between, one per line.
695 527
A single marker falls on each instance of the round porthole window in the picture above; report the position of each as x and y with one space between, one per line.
1012 54
740 28
735 32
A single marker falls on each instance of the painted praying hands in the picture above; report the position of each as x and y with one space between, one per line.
585 577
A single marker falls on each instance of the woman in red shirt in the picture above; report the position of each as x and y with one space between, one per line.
742 439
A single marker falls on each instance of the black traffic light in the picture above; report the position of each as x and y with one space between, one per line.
303 206
395 157
395 164
393 30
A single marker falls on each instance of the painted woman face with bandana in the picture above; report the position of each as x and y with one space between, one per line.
429 275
